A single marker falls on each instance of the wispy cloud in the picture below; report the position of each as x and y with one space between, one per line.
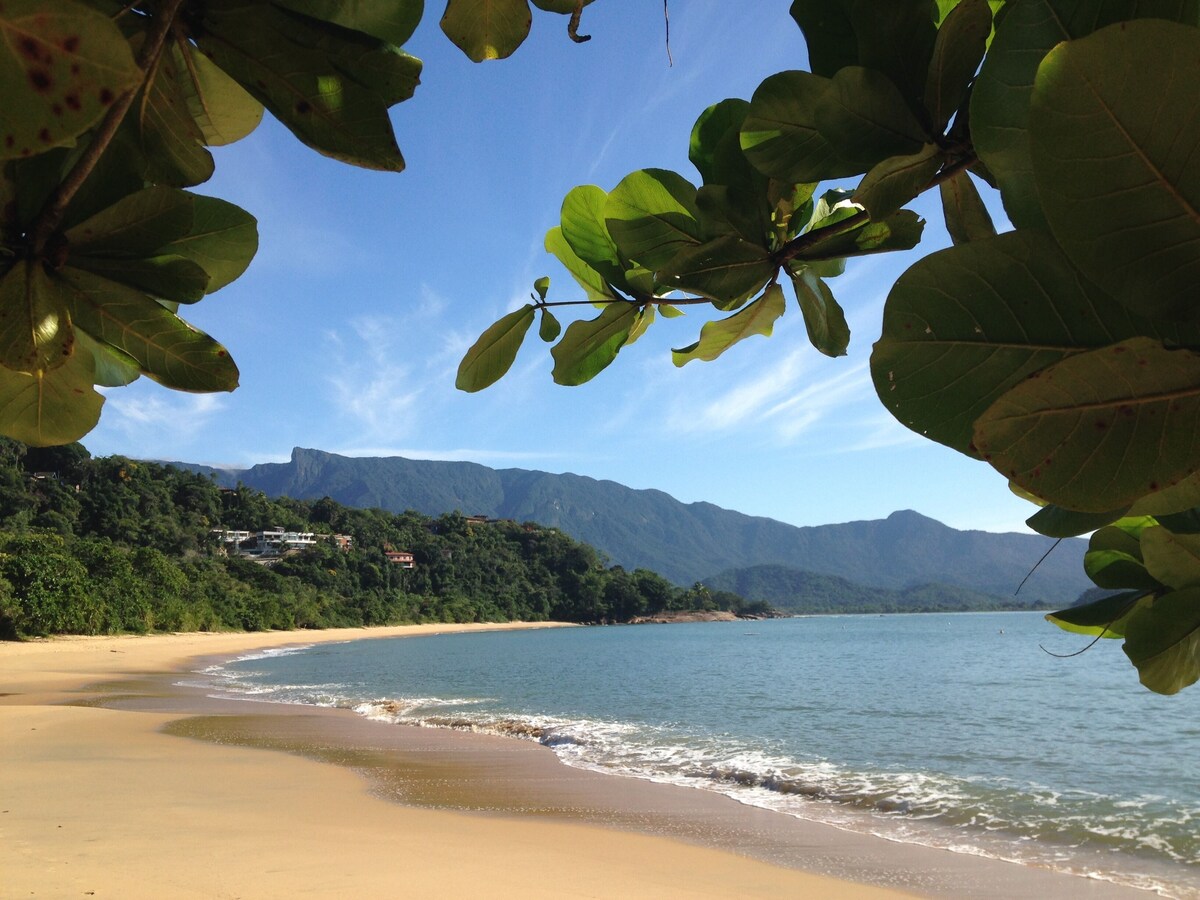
468 454
147 415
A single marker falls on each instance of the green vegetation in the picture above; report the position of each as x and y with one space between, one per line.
810 593
99 546
1065 353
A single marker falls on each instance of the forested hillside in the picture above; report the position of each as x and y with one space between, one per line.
687 542
91 546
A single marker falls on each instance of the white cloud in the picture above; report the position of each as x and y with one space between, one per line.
149 414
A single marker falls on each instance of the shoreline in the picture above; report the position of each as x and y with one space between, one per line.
226 813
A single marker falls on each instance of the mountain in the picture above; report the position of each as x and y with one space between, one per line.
685 542
797 591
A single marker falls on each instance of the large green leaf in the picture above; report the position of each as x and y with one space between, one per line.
162 345
965 325
492 355
393 21
62 65
113 368
865 118
331 87
1099 429
137 225
593 283
1173 559
829 34
727 269
1057 522
222 240
1115 142
961 42
166 276
967 219
1163 641
780 135
220 107
163 129
584 230
1001 96
487 29
1175 498
47 408
1114 569
35 327
735 194
652 215
896 37
1102 618
900 231
898 179
717 337
714 135
588 346
823 317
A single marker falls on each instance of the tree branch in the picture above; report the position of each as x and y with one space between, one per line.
56 205
809 239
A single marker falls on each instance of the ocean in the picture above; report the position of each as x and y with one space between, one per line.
958 731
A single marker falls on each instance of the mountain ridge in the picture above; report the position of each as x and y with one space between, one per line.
686 542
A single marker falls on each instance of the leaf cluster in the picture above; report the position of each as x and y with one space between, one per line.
110 110
1065 352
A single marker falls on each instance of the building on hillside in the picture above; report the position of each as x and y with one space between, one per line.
401 558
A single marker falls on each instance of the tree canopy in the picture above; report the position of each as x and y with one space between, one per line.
1062 352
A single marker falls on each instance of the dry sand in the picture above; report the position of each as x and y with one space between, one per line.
100 796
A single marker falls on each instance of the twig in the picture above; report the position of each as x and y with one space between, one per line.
667 27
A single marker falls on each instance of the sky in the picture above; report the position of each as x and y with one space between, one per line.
368 287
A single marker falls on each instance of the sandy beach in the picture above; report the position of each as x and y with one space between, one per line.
116 783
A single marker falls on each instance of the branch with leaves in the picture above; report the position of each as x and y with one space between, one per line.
1065 353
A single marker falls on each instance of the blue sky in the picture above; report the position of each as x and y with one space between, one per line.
368 287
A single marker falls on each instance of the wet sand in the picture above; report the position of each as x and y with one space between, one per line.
116 782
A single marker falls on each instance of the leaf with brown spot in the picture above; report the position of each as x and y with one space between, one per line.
61 67
54 407
35 327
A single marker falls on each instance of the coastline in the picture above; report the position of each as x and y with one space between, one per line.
101 794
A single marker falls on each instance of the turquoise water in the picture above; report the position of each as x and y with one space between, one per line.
955 731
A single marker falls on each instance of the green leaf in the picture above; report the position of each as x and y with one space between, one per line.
829 34
588 346
1114 569
652 215
392 21
549 328
965 325
864 117
717 337
161 125
162 345
35 327
715 133
727 269
896 180
50 407
220 107
588 278
487 29
961 43
584 229
1001 96
1057 522
780 136
112 367
645 318
542 286
899 231
137 225
896 38
493 354
1099 429
62 66
1115 144
222 240
1185 522
331 87
167 277
1101 618
967 219
1163 641
823 317
667 311
1173 559
1175 498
